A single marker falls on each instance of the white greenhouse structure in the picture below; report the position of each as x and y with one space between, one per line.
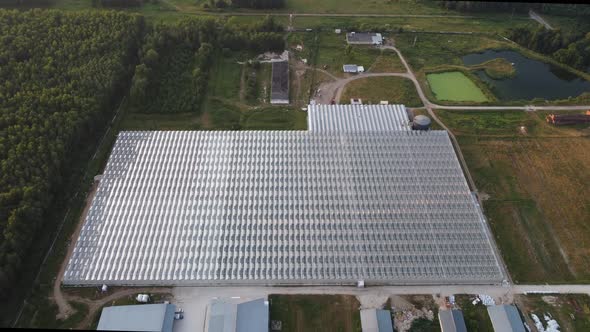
342 202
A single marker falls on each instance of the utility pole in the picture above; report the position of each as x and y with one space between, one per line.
415 38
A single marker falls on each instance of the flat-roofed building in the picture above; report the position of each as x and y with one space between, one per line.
505 318
345 201
142 317
364 38
280 83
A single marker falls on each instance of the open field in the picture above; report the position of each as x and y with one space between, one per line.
454 86
476 316
572 312
339 6
537 206
488 24
387 62
316 312
333 55
372 90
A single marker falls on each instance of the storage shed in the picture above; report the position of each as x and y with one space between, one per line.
505 318
228 316
376 320
280 83
364 38
142 317
451 321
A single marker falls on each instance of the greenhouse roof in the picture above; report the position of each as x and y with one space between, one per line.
283 207
357 118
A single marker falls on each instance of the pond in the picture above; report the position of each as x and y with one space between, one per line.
533 79
454 86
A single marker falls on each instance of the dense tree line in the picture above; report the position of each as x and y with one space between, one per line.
118 3
60 74
572 49
258 4
255 4
484 6
518 7
176 57
25 3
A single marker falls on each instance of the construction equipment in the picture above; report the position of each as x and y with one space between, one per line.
568 119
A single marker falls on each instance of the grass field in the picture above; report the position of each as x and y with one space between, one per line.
537 207
332 54
316 313
339 6
572 312
476 316
387 62
454 86
372 90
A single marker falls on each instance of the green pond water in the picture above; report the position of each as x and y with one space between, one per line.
454 86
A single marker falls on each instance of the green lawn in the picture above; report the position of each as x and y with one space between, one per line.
476 316
316 313
530 173
455 86
396 90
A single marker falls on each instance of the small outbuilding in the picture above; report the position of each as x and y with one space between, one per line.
353 69
451 321
141 317
364 38
376 320
505 318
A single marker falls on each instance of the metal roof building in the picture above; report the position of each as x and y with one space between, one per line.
143 317
376 320
279 91
226 316
451 321
364 38
357 118
505 318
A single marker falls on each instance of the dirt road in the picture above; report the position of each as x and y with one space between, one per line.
539 19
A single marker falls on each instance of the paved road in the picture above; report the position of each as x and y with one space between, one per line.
539 19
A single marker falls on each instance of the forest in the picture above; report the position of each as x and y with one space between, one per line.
175 59
572 49
60 75
517 7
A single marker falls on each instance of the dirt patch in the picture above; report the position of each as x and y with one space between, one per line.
412 308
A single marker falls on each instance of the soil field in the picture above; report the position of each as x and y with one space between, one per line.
534 177
454 86
315 313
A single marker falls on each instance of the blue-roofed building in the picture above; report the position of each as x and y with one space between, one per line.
142 317
229 316
451 321
505 318
376 320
